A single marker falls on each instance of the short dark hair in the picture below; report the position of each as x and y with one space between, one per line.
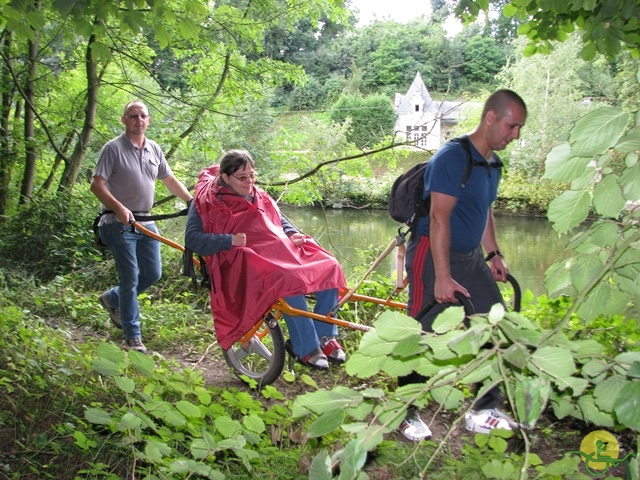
500 100
234 160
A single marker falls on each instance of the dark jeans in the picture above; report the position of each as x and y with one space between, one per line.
468 269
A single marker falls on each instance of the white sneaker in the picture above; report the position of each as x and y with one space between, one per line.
413 428
483 421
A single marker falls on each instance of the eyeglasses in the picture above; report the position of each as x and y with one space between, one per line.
244 178
135 116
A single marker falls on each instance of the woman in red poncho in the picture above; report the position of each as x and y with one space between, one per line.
255 256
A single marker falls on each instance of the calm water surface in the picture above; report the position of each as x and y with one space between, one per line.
530 245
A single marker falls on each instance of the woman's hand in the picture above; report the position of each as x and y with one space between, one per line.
298 239
239 240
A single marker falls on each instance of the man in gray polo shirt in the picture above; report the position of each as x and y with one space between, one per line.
124 181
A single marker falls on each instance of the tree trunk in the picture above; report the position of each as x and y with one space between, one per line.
7 157
26 190
73 163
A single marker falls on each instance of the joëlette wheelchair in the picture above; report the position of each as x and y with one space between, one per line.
260 354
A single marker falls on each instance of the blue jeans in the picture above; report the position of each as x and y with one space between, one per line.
306 332
138 263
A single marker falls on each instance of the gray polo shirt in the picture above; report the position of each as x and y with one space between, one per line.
131 174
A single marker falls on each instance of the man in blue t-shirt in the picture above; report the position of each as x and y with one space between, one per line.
445 252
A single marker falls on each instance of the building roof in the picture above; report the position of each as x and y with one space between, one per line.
418 92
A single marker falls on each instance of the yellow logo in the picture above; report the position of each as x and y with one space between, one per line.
600 451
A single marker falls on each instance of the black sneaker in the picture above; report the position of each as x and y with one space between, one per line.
136 344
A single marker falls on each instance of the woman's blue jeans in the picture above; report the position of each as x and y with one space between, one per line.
138 263
306 332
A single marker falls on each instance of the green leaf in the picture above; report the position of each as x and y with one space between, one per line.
627 407
97 416
352 461
562 406
398 367
394 326
321 467
557 277
326 423
627 358
594 368
440 345
554 361
607 197
254 423
200 449
106 367
448 396
521 335
497 469
588 52
362 366
497 444
448 320
111 352
174 418
408 347
569 209
591 413
144 364
561 166
584 269
129 421
325 401
531 396
634 370
608 391
227 426
469 341
603 299
598 131
188 409
479 374
100 52
509 10
517 355
125 384
630 142
630 183
156 451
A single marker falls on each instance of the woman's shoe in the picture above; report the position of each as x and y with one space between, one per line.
333 350
316 359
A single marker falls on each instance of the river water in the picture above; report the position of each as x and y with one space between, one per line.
530 245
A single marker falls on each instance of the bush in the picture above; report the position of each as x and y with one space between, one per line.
519 193
372 118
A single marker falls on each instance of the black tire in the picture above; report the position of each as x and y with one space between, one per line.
263 358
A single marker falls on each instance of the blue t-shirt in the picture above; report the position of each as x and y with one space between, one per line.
444 174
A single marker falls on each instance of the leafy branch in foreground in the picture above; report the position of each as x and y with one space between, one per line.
575 377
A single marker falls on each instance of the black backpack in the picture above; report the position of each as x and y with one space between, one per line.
405 198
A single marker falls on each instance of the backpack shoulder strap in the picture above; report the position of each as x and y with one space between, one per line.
466 144
464 141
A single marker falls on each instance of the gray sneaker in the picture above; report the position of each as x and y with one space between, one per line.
114 313
136 344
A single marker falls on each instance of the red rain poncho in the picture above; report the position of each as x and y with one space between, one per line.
246 281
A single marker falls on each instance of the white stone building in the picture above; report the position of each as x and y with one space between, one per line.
423 120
